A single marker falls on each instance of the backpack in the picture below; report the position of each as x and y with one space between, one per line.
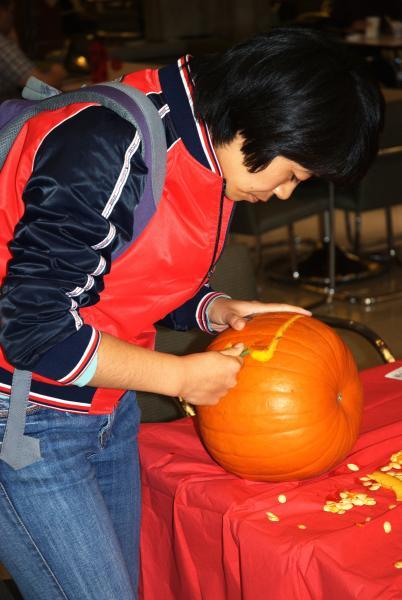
19 450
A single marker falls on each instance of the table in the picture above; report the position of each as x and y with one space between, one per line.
392 95
382 42
206 535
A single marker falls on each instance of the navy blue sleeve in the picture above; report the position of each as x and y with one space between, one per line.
194 313
79 204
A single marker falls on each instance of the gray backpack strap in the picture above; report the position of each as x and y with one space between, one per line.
19 450
128 102
157 139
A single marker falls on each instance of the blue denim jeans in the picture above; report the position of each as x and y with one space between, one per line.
69 524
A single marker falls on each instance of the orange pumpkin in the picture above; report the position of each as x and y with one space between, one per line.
296 409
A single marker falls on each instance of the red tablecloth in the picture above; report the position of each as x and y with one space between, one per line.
206 535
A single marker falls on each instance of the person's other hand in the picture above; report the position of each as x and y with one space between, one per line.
226 312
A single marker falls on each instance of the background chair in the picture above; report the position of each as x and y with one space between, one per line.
381 188
326 265
310 199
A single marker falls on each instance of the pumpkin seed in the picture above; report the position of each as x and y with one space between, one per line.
272 517
282 498
353 467
301 526
387 527
398 564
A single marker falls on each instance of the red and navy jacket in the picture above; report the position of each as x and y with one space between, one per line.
69 191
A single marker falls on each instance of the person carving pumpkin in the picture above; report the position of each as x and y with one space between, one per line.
79 302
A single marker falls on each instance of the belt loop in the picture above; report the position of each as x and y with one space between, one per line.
19 450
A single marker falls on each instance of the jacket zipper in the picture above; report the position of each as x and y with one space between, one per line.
217 239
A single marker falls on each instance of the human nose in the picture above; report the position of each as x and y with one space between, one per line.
285 190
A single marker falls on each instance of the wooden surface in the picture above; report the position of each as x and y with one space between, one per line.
382 41
392 94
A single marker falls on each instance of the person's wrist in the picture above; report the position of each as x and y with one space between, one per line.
184 371
214 310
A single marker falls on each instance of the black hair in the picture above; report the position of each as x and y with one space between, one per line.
292 92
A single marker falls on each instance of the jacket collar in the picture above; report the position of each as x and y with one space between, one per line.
178 86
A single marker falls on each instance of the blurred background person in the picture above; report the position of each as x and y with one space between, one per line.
15 66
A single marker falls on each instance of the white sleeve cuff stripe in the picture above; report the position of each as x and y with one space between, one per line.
201 314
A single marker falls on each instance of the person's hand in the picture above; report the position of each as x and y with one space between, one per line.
208 376
226 312
53 75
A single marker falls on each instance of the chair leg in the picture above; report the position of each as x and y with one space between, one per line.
258 250
390 232
358 231
292 251
331 241
329 291
348 228
367 300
